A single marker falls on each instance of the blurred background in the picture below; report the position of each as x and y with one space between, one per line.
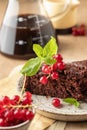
71 46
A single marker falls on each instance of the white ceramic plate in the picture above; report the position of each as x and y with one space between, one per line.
65 112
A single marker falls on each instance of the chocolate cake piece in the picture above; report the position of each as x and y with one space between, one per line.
72 82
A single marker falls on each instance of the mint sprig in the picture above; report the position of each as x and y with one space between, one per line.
72 101
44 55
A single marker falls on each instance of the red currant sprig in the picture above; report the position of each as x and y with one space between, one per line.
16 110
79 30
52 70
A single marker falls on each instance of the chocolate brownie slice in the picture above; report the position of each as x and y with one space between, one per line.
72 82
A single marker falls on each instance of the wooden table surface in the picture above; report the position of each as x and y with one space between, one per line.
72 48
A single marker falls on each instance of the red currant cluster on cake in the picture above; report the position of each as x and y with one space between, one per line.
52 70
79 30
16 110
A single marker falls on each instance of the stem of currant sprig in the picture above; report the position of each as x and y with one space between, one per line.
19 106
23 88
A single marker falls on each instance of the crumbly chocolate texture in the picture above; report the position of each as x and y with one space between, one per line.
72 82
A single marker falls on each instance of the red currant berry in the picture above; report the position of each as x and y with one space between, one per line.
75 31
28 95
6 100
26 101
2 122
16 113
82 25
29 115
56 102
9 114
55 66
16 98
82 31
61 65
78 31
46 69
43 80
1 109
58 57
54 75
23 114
1 102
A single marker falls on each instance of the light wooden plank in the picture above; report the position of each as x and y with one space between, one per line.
58 125
40 123
76 126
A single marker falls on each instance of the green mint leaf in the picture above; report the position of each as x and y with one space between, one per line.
77 104
50 48
49 60
38 50
31 67
72 101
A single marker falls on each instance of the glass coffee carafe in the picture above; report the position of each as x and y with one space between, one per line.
25 23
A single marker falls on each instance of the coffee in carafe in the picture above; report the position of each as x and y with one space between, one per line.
24 24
